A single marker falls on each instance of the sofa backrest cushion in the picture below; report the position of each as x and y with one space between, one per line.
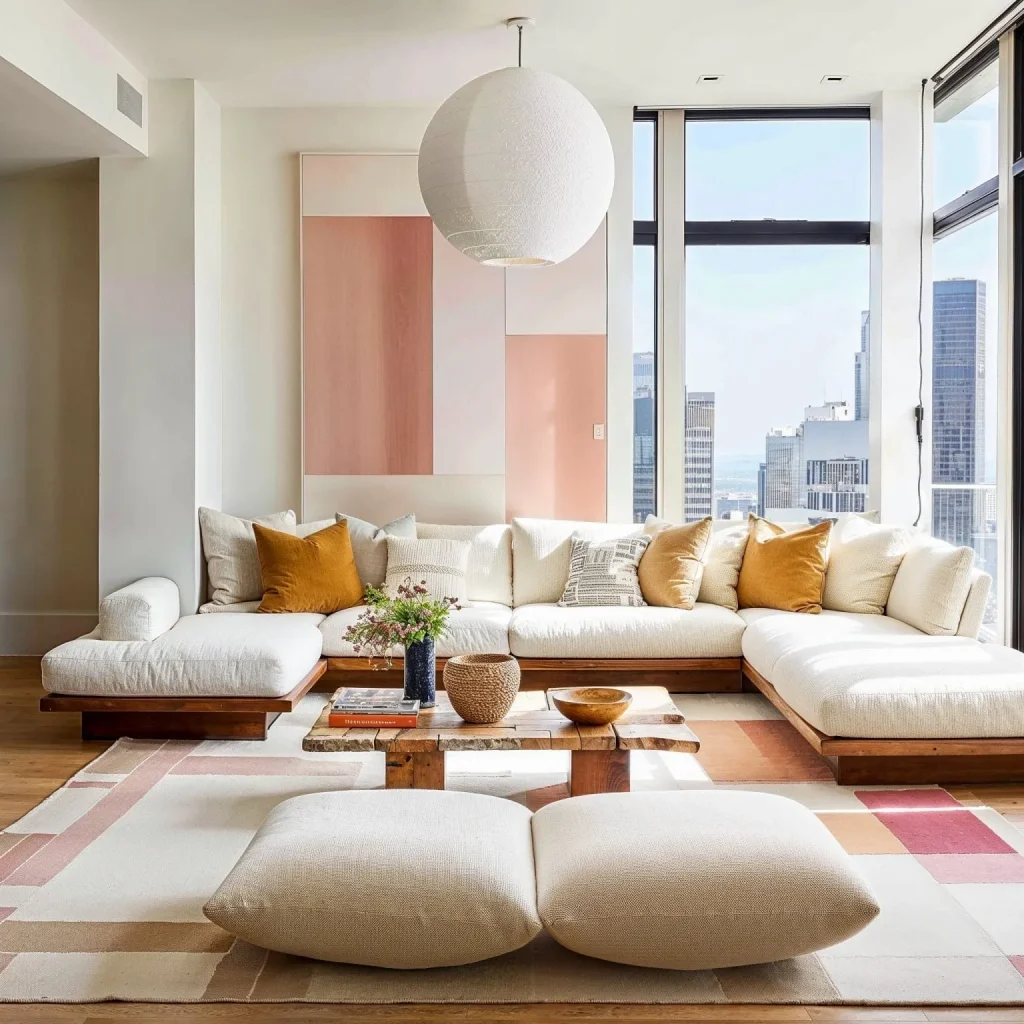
931 586
489 571
232 564
973 615
370 544
540 554
722 566
863 560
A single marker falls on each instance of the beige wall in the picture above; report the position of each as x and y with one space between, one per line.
49 406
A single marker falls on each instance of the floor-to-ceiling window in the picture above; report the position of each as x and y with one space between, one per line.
965 257
645 373
777 378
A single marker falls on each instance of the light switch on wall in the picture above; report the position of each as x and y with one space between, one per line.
598 431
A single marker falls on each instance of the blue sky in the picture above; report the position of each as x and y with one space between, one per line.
771 329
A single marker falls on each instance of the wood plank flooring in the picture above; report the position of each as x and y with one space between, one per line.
39 752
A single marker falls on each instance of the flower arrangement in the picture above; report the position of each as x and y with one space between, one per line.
411 617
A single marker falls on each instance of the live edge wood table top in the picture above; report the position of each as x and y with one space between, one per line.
414 758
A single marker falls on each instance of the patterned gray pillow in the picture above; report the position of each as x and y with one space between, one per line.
603 573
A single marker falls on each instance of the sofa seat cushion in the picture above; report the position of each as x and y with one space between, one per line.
395 878
905 687
200 656
694 881
771 634
548 631
477 628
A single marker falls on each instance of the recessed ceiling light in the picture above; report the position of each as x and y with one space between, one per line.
830 79
708 78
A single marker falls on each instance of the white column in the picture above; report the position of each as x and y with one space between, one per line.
619 431
901 279
160 389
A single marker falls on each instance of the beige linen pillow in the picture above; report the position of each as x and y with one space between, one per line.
440 565
232 563
673 564
863 560
722 566
370 544
931 586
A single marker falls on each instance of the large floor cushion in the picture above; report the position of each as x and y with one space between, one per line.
229 655
394 878
905 687
547 631
476 628
694 880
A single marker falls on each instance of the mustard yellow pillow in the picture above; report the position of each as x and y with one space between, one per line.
673 564
307 574
784 570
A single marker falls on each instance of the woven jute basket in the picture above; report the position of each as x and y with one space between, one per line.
482 687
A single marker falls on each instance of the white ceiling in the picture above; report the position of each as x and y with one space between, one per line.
341 52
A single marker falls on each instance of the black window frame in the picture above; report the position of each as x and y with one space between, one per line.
1015 562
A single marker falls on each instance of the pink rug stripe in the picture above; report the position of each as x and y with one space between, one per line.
21 852
930 821
231 765
1018 962
951 868
6 912
5 959
54 856
73 784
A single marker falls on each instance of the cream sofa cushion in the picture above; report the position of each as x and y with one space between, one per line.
905 687
392 878
475 628
489 570
141 611
862 563
232 563
547 631
370 545
200 656
540 554
931 586
694 881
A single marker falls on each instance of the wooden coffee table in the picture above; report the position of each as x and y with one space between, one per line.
415 758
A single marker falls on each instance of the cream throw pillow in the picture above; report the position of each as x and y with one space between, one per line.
722 562
440 565
673 564
232 564
931 586
862 563
370 544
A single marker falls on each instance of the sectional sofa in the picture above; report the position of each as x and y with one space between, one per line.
878 695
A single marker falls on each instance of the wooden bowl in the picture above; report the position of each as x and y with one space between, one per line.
592 705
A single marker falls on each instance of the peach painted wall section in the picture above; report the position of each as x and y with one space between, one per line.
368 345
555 388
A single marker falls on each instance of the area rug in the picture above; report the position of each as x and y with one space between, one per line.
102 885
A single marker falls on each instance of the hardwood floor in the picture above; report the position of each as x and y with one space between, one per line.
39 752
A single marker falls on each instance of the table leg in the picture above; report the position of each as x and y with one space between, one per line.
599 771
421 770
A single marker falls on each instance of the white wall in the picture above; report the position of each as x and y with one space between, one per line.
49 407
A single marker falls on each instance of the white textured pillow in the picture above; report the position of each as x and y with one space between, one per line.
862 563
440 565
489 571
370 544
602 574
722 566
540 554
232 562
931 586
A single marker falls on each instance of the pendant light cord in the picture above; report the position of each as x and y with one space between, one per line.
919 410
520 27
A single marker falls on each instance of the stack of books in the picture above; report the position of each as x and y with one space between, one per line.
360 707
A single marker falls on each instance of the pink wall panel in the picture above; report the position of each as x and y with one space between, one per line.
367 345
555 387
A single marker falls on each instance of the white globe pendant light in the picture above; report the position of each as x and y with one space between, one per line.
516 167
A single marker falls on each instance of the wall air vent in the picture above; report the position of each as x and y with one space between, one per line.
129 101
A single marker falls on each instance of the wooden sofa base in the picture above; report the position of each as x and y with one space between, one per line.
874 762
677 675
181 718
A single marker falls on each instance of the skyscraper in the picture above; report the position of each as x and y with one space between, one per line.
762 483
784 467
958 408
835 453
699 432
643 453
862 370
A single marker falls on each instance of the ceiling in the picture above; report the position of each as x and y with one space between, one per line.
353 52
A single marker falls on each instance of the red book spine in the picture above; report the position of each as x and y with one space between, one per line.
339 720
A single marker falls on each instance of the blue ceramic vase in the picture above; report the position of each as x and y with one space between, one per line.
420 672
